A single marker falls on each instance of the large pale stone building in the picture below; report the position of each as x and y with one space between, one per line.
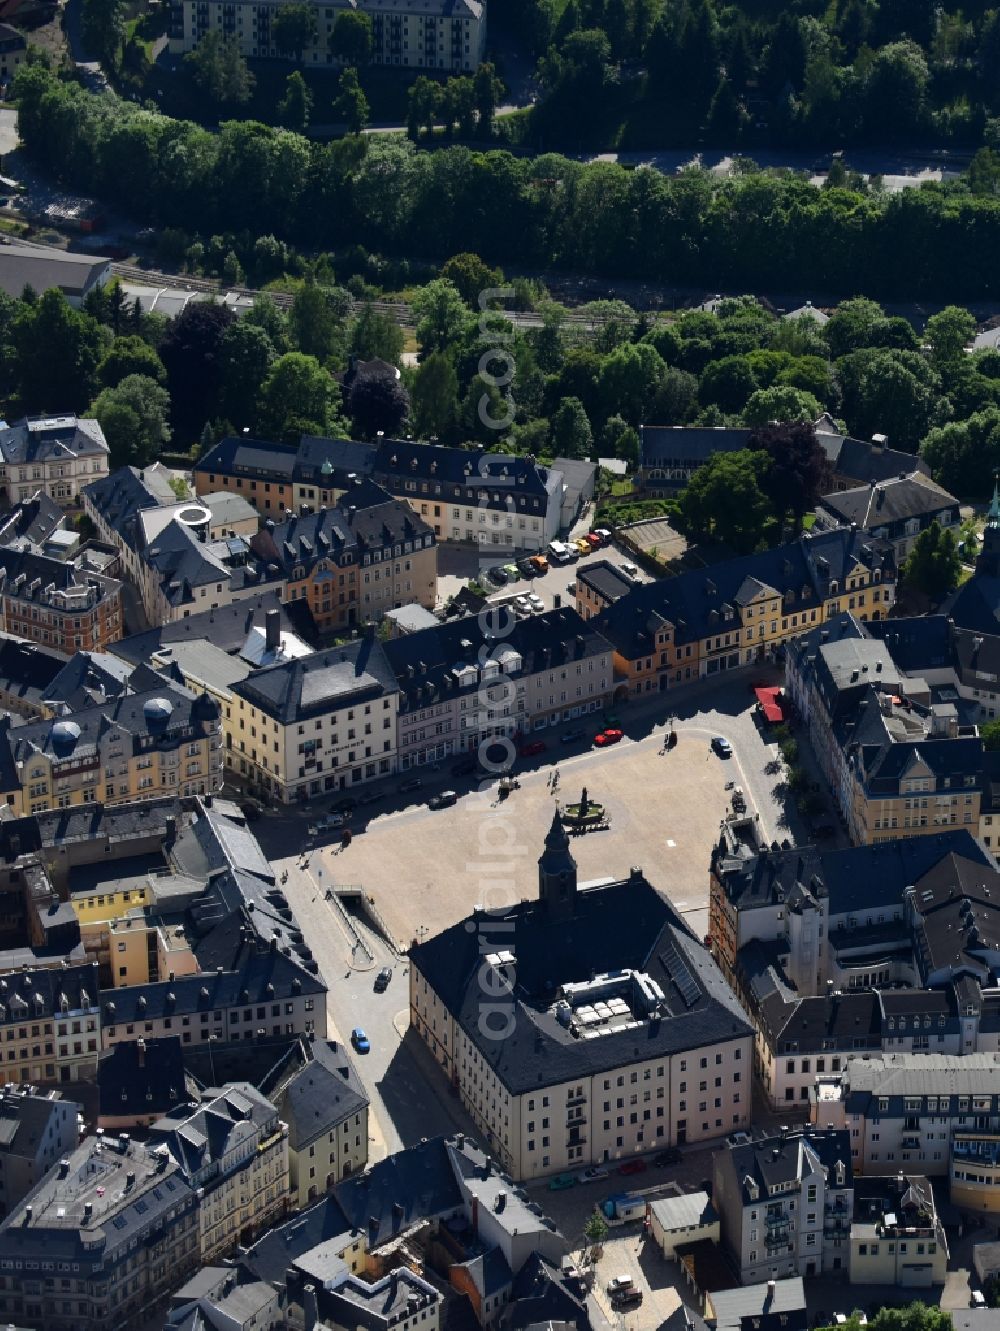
587 1026
446 35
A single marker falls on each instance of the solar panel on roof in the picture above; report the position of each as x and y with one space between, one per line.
680 976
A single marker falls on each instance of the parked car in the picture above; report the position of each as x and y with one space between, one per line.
571 736
360 1041
414 783
522 605
327 823
443 801
539 563
671 1156
382 979
631 569
738 1139
633 1167
722 746
607 737
526 568
603 533
533 747
619 1284
536 602
628 1298
562 1181
583 545
497 575
593 1173
594 540
513 572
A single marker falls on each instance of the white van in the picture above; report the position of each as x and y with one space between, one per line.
561 553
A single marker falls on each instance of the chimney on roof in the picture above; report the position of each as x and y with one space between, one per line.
140 1047
879 442
272 630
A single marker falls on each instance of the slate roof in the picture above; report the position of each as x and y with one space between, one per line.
513 483
227 627
259 973
617 926
896 1076
353 673
319 1094
700 602
198 1135
35 995
367 519
424 663
804 1025
27 669
541 1297
889 502
862 462
774 1161
38 573
976 605
683 1211
121 496
25 1119
141 1082
755 1305
189 717
243 455
957 918
684 446
32 520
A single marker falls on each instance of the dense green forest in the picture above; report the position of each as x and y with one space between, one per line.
828 72
752 231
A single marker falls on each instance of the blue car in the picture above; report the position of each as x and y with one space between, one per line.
360 1040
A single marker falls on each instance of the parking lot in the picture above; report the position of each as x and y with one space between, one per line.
457 564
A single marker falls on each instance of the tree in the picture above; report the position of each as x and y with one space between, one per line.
442 318
726 116
56 354
435 396
895 393
989 733
949 332
963 455
190 354
295 107
799 471
629 380
727 383
129 355
246 354
571 433
850 327
487 88
780 403
596 1230
376 336
422 103
103 29
620 440
294 28
316 320
726 500
897 88
377 400
471 277
297 397
351 39
133 416
219 69
351 105
933 566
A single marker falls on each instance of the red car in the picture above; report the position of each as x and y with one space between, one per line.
632 1167
594 540
536 746
607 737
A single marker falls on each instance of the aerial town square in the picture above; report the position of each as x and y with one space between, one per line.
499 665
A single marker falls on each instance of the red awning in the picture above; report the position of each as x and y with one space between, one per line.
771 703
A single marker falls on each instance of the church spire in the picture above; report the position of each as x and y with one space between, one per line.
988 563
557 869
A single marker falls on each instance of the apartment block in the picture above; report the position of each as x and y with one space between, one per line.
447 35
353 562
707 621
895 510
785 1204
232 1150
900 756
322 723
109 1231
137 746
896 1236
50 1024
58 603
36 1130
552 1072
487 676
318 1093
58 454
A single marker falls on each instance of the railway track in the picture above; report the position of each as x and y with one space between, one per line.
397 310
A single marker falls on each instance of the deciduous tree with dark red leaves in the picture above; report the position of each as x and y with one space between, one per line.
800 471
